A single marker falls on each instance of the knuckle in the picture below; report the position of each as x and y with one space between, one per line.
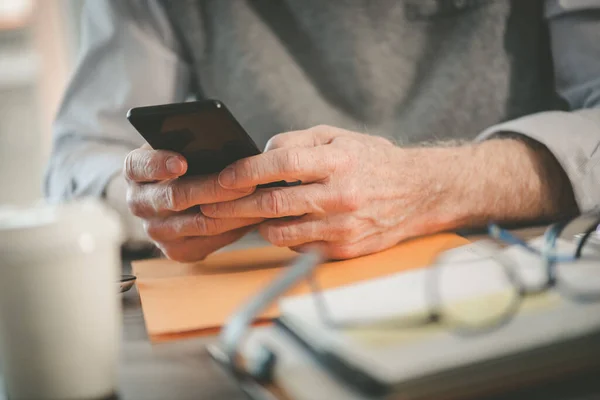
175 198
334 164
350 199
336 161
170 251
199 223
341 251
345 160
246 168
211 190
152 231
291 161
149 167
169 196
174 254
128 167
384 141
206 226
140 166
135 204
214 226
348 230
326 134
322 127
188 257
272 203
277 235
182 253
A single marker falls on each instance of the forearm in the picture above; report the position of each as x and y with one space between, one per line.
502 180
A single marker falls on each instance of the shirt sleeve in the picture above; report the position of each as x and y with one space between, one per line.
128 57
572 137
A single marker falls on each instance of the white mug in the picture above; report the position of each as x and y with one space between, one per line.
60 321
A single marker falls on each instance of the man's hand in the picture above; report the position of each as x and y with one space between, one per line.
360 193
166 203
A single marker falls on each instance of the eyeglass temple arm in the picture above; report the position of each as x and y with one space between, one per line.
236 328
501 234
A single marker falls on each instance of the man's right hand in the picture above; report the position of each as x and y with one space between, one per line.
167 204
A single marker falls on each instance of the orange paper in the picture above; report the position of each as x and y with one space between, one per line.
180 300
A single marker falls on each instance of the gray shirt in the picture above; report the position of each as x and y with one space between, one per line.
411 70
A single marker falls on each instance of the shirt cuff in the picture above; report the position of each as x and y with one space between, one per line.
82 171
116 197
574 140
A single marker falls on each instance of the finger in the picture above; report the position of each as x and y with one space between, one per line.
197 248
277 202
193 224
287 164
307 229
315 136
164 198
345 250
147 165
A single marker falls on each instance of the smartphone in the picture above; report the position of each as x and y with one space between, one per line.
204 132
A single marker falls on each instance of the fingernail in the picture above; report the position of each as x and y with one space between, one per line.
207 209
227 177
174 165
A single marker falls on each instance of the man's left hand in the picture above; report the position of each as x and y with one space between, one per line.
359 193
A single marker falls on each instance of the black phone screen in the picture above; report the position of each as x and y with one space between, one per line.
204 132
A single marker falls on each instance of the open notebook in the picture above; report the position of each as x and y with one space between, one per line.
180 300
550 334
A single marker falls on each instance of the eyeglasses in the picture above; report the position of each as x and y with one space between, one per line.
568 260
570 272
250 377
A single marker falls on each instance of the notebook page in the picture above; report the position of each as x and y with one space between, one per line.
397 355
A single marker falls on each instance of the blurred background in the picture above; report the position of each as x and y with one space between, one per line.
38 49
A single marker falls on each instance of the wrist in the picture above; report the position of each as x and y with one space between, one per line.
506 180
494 180
436 178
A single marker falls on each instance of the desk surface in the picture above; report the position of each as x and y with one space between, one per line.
183 370
175 370
178 370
